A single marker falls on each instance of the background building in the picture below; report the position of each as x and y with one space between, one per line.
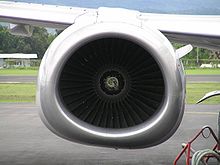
16 60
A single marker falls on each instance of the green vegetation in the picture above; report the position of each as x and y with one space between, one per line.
37 43
34 71
198 71
41 39
26 92
17 92
195 91
19 72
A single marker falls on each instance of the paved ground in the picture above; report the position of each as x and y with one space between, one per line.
24 140
203 78
189 78
18 79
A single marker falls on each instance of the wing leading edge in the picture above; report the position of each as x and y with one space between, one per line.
198 30
59 17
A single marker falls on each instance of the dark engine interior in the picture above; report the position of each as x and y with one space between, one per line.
111 83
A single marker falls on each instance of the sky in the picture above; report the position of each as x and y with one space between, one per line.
204 7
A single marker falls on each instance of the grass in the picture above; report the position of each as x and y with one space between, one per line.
34 72
18 72
26 92
198 71
17 92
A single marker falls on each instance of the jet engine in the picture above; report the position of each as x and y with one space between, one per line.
111 84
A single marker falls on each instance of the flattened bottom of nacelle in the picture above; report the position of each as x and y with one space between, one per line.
111 84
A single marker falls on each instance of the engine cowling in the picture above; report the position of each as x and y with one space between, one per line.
111 84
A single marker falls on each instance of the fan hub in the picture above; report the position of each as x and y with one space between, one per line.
112 82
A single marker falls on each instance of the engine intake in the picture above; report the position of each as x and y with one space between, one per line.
111 84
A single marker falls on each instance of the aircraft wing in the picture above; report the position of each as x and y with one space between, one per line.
59 17
198 30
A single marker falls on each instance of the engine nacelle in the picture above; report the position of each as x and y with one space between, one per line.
111 84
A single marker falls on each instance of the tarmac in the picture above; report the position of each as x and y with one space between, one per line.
18 79
24 140
202 78
33 79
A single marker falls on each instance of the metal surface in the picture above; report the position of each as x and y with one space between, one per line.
183 51
187 148
151 132
198 30
21 30
59 17
208 95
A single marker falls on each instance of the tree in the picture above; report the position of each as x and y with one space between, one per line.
37 43
7 41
